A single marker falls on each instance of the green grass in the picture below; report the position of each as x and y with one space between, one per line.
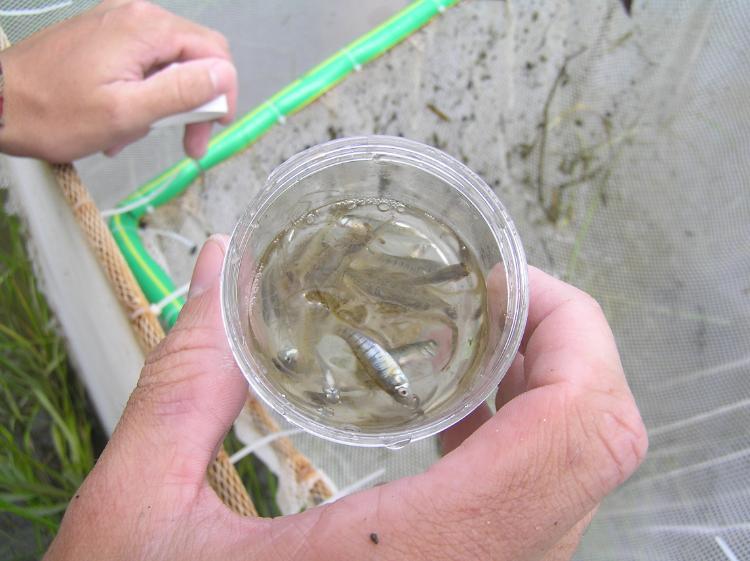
47 430
49 436
261 483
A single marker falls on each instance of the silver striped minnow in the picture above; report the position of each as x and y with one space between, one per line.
381 366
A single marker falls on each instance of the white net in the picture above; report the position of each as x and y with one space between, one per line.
618 144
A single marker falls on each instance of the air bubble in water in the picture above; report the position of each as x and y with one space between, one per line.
398 444
383 206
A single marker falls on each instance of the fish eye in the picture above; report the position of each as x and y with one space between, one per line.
403 392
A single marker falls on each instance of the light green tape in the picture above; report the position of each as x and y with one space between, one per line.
155 283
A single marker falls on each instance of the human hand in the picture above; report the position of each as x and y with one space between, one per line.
517 485
99 80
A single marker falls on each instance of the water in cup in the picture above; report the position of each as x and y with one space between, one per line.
368 313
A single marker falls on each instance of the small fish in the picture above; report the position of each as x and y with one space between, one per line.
333 303
449 273
346 395
389 308
287 360
384 288
331 393
412 351
349 235
381 366
428 317
308 335
358 226
411 265
321 400
277 318
274 289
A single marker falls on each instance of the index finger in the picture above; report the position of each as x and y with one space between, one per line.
567 326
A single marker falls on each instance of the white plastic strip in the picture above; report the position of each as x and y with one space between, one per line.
161 304
260 443
726 549
356 66
187 242
280 117
214 109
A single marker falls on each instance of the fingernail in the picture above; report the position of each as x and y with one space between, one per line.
208 266
221 74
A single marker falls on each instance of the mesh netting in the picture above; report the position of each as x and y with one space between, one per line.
619 147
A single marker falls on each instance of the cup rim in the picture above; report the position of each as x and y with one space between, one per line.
429 160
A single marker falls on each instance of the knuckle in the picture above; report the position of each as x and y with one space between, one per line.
116 109
180 341
618 440
166 393
624 436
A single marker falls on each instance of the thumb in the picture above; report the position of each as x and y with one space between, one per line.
190 390
181 87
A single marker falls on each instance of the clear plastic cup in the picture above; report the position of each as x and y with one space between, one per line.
414 174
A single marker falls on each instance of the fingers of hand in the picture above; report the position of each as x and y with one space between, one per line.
548 294
190 390
540 464
178 88
568 339
183 64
